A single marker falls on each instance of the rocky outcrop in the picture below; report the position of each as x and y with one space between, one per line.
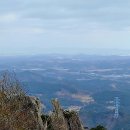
73 120
57 117
17 110
25 113
36 110
21 112
61 119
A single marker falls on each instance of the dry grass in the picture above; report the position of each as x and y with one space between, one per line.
15 108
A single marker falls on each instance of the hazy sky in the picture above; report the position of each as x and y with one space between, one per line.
61 26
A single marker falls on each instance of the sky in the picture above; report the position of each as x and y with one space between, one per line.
64 26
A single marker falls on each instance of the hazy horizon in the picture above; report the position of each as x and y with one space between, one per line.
71 52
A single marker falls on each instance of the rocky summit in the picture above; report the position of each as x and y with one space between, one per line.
21 112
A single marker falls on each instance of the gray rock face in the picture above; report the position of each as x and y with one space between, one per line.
21 113
37 111
64 120
25 113
58 120
73 120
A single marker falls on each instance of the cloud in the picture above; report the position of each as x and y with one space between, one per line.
10 17
70 24
23 30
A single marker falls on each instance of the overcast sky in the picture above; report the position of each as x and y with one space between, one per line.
63 26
